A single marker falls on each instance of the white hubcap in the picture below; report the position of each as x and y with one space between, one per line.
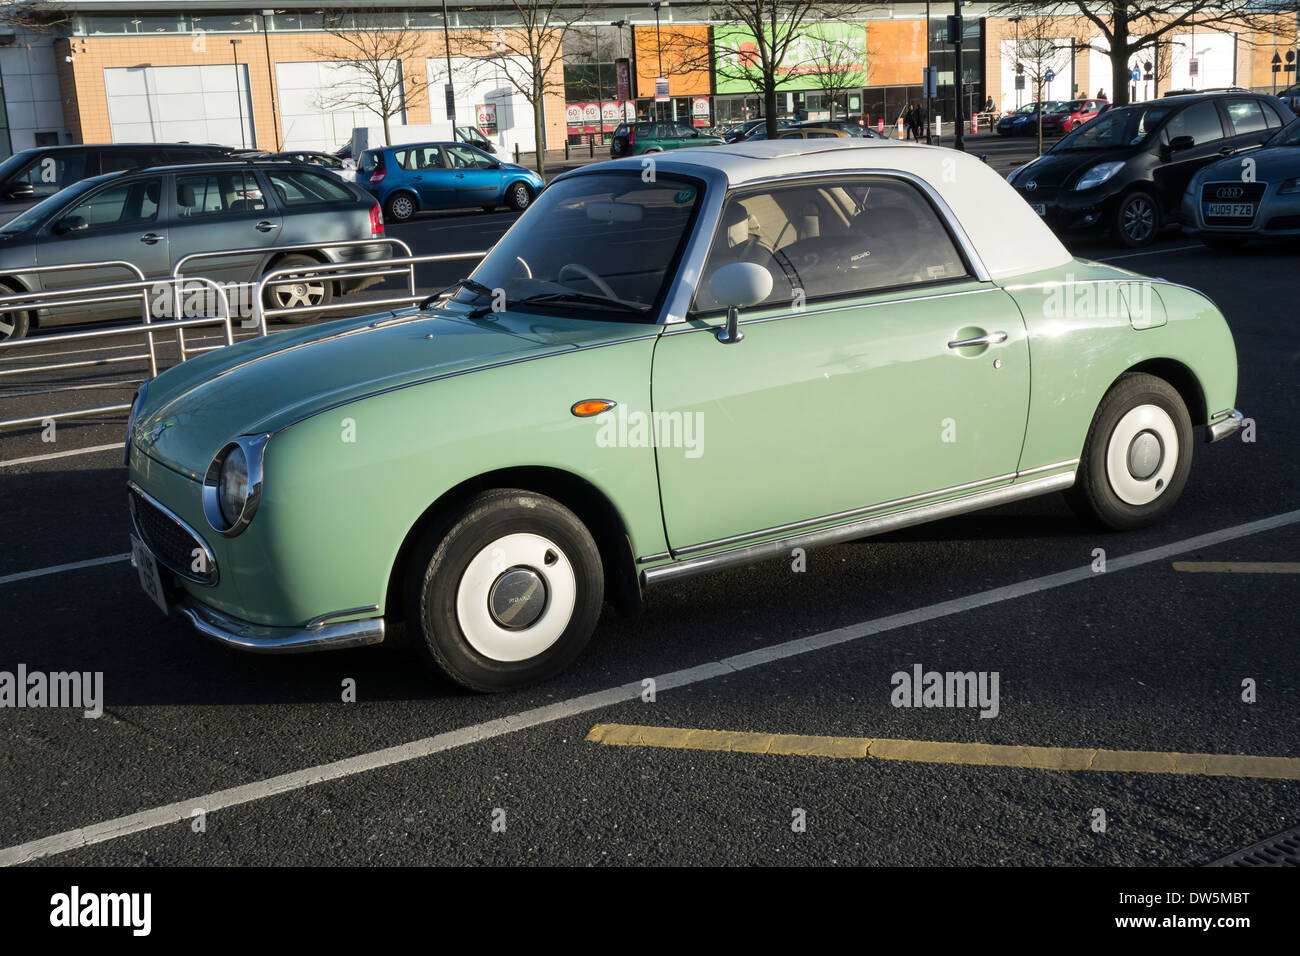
516 597
1142 454
300 293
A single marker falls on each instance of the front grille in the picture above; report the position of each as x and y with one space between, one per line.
172 541
1231 193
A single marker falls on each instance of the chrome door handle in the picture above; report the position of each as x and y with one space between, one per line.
265 226
993 338
150 238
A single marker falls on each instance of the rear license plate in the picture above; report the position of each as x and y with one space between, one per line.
1230 210
1038 207
146 567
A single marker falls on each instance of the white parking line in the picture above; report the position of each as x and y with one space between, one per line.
1150 252
574 706
58 568
60 454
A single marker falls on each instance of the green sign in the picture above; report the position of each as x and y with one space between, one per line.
836 48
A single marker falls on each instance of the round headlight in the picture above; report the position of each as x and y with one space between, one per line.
232 486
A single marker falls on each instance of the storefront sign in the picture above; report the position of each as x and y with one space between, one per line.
487 118
623 74
840 48
700 110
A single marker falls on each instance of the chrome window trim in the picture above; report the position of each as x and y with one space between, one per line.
254 449
186 573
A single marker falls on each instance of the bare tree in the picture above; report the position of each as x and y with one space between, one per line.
530 55
1129 27
371 48
37 16
840 62
761 43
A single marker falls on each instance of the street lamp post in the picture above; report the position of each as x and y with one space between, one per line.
958 85
600 91
449 89
270 77
239 100
658 39
1016 21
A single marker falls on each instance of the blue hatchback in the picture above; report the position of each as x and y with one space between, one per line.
415 176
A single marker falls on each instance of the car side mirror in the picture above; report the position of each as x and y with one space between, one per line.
71 224
20 191
736 286
1181 142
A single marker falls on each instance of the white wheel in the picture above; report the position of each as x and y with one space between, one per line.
516 597
1142 454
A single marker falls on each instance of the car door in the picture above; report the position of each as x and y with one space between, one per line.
222 209
118 221
848 390
475 178
425 170
1174 170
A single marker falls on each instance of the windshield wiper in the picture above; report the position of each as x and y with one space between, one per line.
478 288
579 298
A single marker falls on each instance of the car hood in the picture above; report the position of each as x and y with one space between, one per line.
192 410
1063 169
1272 164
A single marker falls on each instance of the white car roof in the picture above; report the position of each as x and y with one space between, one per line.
1009 237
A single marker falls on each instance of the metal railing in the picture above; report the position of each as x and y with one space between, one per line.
97 295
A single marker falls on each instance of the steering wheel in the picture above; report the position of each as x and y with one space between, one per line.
590 276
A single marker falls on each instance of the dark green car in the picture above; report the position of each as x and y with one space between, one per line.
632 139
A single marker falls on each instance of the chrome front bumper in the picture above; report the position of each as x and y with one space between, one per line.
1222 424
315 635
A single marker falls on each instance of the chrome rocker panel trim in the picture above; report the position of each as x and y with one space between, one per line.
863 528
265 639
1224 423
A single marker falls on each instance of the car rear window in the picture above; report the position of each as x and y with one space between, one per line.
1247 116
371 160
296 188
621 130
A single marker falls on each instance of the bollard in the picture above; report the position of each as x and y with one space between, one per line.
516 154
591 147
900 129
566 149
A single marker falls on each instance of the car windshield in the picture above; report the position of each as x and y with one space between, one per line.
600 246
1287 136
1115 129
47 207
1074 106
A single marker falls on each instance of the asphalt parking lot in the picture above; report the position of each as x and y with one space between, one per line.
1108 673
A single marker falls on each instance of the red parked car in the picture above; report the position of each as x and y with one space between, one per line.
1075 114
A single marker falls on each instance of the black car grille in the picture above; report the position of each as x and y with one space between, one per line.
171 542
1233 193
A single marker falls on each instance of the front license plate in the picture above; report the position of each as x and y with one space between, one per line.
146 566
1230 210
1039 208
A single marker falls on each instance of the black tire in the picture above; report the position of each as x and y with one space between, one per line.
460 553
312 291
13 325
1109 491
1224 243
1136 222
519 197
400 207
489 208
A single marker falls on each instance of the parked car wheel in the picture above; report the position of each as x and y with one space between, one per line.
399 208
1137 455
13 325
519 197
506 591
298 294
1137 220
1224 243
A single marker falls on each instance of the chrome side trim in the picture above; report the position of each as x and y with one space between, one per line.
264 639
662 555
316 623
1055 466
186 573
856 529
1224 423
838 516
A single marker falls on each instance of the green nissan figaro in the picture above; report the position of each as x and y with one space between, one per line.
668 366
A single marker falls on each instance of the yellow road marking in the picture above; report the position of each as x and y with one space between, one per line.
1240 567
929 751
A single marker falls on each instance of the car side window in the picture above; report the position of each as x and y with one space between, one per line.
833 238
209 195
1247 116
1200 122
121 204
1273 116
294 188
462 157
52 172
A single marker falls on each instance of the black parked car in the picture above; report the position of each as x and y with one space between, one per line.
29 176
152 218
1127 169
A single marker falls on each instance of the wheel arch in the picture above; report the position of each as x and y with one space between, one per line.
13 284
589 503
1183 380
278 257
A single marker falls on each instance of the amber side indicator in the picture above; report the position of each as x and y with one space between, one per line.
592 406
